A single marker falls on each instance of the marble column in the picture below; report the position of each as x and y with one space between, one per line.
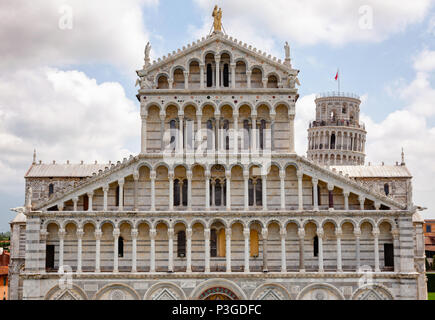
228 191
207 190
320 235
272 132
116 234
121 195
361 200
189 250
233 75
248 78
396 247
186 80
171 190
189 190
75 202
217 60
283 234
144 134
265 234
236 133
201 76
228 234
199 131
213 193
247 234
315 183
134 234
338 235
207 249
376 248
80 234
357 234
300 174
330 196
246 188
90 197
162 131
105 194
180 145
301 234
135 190
264 191
171 250
346 200
62 234
153 234
254 134
153 176
98 235
282 188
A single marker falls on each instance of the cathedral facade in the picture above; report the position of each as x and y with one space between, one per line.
217 204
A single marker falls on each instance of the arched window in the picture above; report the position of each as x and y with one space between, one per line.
225 192
387 189
246 135
259 193
213 243
50 189
333 141
226 76
316 246
181 244
173 131
120 247
262 134
210 134
184 192
253 243
176 192
209 76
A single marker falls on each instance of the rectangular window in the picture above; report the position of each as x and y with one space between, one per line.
428 228
49 257
389 255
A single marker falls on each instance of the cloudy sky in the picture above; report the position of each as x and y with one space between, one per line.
67 74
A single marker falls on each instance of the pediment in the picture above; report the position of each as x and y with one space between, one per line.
218 43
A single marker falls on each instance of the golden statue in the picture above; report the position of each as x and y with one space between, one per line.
217 15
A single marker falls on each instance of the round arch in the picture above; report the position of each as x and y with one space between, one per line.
165 291
320 291
218 283
116 291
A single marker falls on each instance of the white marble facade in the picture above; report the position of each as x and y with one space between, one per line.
217 204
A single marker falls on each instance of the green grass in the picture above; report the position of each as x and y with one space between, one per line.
431 296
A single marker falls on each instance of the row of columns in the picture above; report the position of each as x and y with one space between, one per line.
356 142
219 144
246 177
228 234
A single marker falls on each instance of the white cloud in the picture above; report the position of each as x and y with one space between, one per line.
103 31
425 61
317 21
64 115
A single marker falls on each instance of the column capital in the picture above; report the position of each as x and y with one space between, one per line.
246 174
248 73
301 233
98 234
162 116
357 232
300 174
80 233
376 232
320 233
338 232
291 116
330 187
228 174
377 205
43 234
233 64
136 175
171 233
346 193
207 233
106 188
134 233
153 174
283 232
62 233
282 174
314 180
395 233
116 232
189 175
361 198
121 182
189 232
186 73
264 233
75 199
171 175
207 174
153 233
246 232
228 232
90 194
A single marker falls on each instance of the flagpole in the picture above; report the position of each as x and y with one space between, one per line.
338 81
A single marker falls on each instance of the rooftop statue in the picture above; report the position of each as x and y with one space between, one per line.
217 15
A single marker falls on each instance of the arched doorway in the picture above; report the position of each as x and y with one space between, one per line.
218 293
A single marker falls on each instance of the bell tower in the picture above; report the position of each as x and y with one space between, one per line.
337 137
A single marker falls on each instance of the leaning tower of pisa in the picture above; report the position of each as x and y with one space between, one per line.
337 137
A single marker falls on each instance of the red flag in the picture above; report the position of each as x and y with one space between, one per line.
336 76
